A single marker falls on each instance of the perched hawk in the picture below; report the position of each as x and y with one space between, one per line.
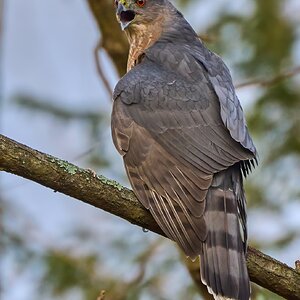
180 128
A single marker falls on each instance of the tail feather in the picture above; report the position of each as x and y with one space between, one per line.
222 261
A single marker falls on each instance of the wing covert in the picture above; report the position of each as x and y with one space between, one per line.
182 115
230 108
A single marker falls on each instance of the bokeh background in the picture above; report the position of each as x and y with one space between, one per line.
53 99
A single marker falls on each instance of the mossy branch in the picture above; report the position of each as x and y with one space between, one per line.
110 196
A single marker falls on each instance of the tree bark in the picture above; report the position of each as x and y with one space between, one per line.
113 40
110 196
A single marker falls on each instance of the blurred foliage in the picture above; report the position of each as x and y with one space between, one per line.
96 122
264 39
267 36
70 270
258 43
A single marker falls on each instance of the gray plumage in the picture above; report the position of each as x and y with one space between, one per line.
180 128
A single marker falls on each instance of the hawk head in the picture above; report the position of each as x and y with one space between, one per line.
132 13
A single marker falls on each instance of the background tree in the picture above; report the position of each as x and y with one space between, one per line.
261 43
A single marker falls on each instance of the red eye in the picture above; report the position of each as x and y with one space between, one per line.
140 3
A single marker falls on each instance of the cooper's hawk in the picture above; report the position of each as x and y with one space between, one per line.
180 128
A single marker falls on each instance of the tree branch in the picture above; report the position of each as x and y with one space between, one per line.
100 69
270 81
110 196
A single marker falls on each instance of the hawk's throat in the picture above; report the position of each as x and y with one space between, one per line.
140 38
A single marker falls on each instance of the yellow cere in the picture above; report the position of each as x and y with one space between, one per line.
124 3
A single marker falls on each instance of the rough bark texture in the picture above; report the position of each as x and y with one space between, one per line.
110 196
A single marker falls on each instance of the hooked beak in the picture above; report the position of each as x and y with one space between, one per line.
124 16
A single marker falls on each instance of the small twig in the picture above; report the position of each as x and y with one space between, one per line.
268 82
101 295
207 38
100 70
32 103
297 265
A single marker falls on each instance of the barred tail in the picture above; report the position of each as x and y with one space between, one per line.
222 261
